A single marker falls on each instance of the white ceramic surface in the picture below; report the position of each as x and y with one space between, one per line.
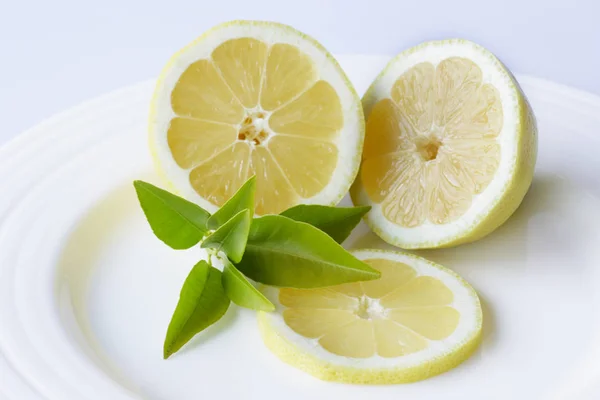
86 291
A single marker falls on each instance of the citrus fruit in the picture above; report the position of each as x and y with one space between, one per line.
418 320
450 146
256 98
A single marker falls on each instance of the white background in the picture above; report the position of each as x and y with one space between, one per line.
57 53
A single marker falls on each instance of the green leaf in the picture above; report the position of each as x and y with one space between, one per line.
284 252
177 222
243 199
202 302
231 237
242 292
337 222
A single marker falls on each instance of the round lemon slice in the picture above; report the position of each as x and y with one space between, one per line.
450 146
418 320
256 98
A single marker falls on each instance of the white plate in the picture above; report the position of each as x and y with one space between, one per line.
86 291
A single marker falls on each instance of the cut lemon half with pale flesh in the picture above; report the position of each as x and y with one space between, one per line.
256 98
450 146
418 320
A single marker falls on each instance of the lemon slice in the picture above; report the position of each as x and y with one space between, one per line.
418 320
256 98
450 146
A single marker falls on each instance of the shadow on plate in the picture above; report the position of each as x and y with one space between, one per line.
77 266
534 228
83 255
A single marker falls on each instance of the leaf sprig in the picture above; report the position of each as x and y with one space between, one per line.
298 248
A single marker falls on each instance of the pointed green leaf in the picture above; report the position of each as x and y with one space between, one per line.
243 199
284 252
176 221
242 292
231 237
337 222
202 302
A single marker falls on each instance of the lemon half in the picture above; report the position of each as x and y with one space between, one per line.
256 98
418 320
450 146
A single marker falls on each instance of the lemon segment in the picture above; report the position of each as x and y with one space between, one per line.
450 146
241 63
287 64
418 320
256 98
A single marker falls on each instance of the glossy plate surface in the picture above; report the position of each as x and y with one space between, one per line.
86 291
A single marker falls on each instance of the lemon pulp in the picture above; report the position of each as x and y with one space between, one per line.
391 317
431 146
255 109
